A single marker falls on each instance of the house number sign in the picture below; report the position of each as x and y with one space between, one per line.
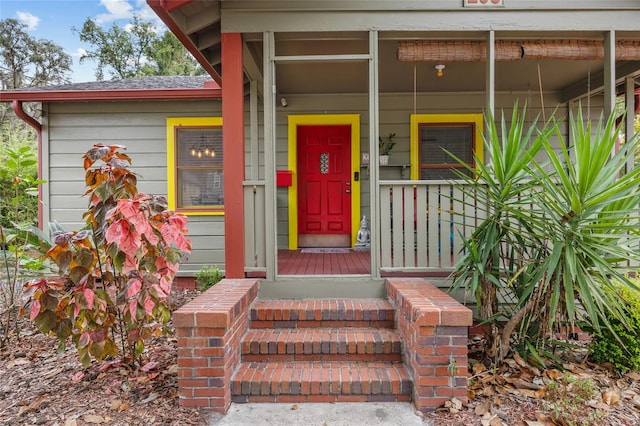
483 3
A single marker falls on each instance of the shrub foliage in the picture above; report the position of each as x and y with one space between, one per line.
116 274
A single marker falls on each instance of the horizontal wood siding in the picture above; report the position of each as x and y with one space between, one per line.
73 128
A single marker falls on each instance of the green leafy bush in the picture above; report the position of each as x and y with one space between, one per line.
208 276
605 347
21 243
116 274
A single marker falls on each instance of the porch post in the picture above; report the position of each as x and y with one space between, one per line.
269 124
490 74
630 102
609 72
374 175
233 150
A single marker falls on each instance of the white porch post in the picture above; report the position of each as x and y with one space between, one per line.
609 73
490 74
270 155
374 175
630 99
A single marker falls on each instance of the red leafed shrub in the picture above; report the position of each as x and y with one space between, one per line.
116 274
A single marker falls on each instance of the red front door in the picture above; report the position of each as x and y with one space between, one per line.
324 186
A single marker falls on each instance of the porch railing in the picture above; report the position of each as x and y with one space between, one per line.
255 258
423 224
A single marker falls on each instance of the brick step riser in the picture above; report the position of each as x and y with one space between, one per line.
384 380
322 324
241 399
361 342
392 357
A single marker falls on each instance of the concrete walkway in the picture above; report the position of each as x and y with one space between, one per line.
310 414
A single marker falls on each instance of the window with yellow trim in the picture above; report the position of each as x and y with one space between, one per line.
438 139
195 171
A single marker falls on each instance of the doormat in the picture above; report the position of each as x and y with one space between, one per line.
325 250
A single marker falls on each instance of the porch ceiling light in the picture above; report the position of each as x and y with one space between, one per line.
439 70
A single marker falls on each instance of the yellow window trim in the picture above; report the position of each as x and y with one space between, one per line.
172 124
417 119
352 120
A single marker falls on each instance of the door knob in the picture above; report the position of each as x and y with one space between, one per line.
348 191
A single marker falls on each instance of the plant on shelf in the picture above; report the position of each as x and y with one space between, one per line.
385 145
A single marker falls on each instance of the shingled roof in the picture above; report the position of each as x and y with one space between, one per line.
155 87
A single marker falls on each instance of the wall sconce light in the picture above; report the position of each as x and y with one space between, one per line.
440 70
283 102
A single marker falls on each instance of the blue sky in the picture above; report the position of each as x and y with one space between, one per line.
53 20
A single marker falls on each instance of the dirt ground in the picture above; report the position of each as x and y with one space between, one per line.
39 386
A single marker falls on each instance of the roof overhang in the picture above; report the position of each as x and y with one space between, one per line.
197 26
109 95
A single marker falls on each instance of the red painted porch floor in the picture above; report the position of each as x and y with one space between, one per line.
293 262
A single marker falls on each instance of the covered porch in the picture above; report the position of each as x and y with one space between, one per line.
309 89
379 69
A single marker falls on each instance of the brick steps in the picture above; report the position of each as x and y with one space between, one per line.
226 352
329 344
315 313
321 350
320 382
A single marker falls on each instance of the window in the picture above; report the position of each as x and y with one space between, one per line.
434 136
194 168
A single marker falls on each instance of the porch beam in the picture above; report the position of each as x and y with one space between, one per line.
490 73
233 148
269 123
374 170
322 58
426 15
609 72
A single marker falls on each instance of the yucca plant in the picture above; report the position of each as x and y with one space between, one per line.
587 216
562 223
500 188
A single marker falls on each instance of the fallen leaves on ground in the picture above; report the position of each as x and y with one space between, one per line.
38 385
521 394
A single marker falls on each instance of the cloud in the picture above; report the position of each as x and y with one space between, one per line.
31 21
117 9
123 9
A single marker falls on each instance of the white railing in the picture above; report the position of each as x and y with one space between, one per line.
255 258
423 224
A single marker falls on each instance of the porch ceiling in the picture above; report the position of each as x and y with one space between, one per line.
197 23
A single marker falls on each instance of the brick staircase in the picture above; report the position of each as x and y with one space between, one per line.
325 350
235 347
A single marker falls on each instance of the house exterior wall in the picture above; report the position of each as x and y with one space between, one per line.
70 129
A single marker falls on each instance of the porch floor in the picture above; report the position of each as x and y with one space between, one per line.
294 262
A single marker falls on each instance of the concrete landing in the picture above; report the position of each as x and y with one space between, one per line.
315 414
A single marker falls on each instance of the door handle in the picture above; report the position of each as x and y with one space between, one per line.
348 191
348 183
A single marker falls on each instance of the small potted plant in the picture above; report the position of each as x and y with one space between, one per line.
385 145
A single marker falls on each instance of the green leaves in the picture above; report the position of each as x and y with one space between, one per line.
135 51
568 215
117 273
